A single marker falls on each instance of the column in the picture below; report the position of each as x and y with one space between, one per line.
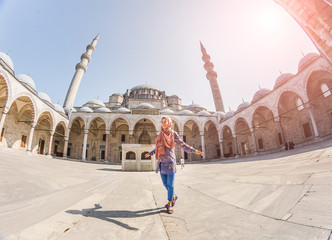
65 148
86 132
3 117
181 150
33 125
313 121
203 144
50 143
236 146
254 140
281 131
221 148
131 136
106 145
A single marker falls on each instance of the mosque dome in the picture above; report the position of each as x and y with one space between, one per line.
68 109
145 91
144 86
103 109
58 108
145 105
122 110
7 60
27 80
94 103
221 114
203 113
229 114
306 59
166 111
85 109
243 105
194 106
44 96
260 93
186 112
282 78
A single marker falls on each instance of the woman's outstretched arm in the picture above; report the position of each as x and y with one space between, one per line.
185 146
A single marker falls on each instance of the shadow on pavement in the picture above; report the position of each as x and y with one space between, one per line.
110 169
109 215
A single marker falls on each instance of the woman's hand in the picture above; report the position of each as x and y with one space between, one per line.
147 155
199 153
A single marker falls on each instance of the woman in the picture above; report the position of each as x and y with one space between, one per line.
165 146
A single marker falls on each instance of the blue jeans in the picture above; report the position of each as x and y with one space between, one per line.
168 181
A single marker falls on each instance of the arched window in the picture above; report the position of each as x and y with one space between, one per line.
143 156
325 90
131 155
299 104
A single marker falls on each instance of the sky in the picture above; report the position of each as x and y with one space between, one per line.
155 42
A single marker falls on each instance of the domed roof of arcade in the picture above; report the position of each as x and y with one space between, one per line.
185 112
26 80
45 97
94 103
204 113
306 59
243 105
260 93
58 108
85 110
122 110
7 60
166 111
282 78
103 110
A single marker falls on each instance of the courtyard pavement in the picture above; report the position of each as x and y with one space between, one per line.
284 196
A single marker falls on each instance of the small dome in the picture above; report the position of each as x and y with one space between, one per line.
145 105
186 112
85 109
144 86
221 114
7 60
243 105
260 93
173 96
166 111
103 109
282 78
229 114
306 59
203 113
68 109
27 80
58 108
122 110
44 96
95 103
194 105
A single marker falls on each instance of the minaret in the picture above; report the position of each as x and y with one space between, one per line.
80 70
315 18
212 77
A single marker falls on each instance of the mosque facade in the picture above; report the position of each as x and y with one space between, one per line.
298 109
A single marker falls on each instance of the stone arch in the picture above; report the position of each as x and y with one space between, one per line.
18 122
321 102
191 135
59 139
41 136
4 78
296 124
244 140
266 131
211 139
228 143
96 139
145 131
119 134
76 137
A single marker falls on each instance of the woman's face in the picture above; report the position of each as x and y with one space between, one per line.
164 123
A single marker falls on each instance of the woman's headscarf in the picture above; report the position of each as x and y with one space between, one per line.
165 138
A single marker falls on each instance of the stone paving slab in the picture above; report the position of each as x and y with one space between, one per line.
284 196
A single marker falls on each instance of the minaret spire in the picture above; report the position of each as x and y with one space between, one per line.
212 77
80 70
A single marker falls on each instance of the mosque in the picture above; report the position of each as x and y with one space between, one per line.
298 109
